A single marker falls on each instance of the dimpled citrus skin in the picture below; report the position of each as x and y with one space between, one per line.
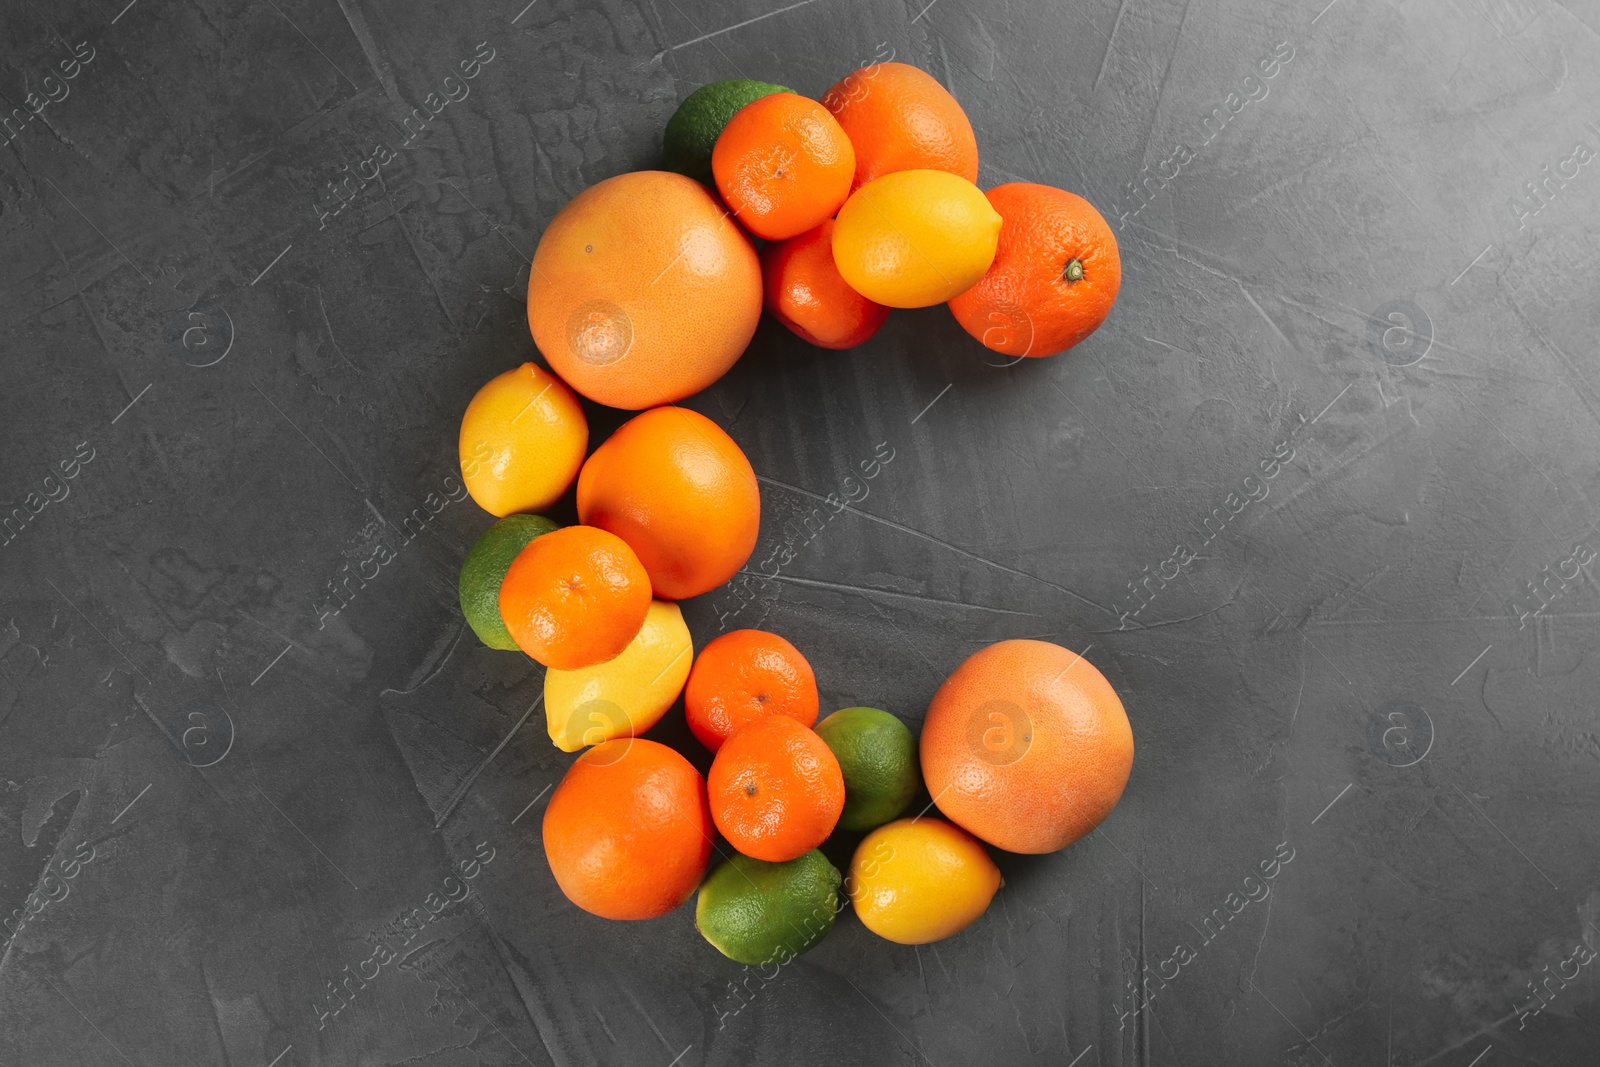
741 678
920 880
574 597
680 491
643 291
1055 275
1060 774
915 238
627 833
900 118
783 165
776 790
522 441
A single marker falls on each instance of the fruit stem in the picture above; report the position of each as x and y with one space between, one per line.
1074 271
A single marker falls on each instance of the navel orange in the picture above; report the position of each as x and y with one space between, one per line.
1026 746
900 118
680 491
627 833
643 291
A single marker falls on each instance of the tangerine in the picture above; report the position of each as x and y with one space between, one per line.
783 164
776 790
574 597
1055 274
743 677
806 292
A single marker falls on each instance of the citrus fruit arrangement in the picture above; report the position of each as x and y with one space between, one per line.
645 289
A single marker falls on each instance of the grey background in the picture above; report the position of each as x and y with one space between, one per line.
1345 670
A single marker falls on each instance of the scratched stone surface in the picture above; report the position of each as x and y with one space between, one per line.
1320 499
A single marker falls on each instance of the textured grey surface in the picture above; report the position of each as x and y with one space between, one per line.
219 798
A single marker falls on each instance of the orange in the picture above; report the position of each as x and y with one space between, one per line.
574 597
1054 278
522 441
806 292
743 677
1026 746
627 833
643 291
900 118
783 164
776 790
680 492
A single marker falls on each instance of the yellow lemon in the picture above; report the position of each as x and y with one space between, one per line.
919 880
625 696
523 439
915 238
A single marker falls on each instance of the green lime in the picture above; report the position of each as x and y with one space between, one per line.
754 912
485 568
878 756
694 128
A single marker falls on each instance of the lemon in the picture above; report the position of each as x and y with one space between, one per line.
755 912
523 439
878 756
919 880
624 696
915 238
485 568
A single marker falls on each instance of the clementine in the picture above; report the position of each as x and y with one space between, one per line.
776 790
900 118
1026 746
643 291
1055 274
783 164
680 492
743 677
574 597
627 833
806 292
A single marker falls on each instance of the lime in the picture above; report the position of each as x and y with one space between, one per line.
754 912
878 756
694 128
485 568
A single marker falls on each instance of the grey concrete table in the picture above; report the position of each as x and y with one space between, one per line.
1320 499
